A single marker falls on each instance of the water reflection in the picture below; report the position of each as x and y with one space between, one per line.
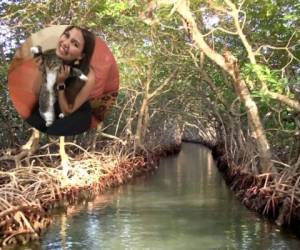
184 205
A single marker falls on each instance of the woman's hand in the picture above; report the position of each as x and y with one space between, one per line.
81 97
63 74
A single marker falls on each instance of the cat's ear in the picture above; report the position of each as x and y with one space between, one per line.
36 50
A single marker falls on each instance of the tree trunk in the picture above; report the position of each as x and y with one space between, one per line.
229 64
141 126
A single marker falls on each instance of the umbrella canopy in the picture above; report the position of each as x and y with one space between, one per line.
24 78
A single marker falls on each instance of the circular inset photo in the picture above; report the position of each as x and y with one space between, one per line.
63 80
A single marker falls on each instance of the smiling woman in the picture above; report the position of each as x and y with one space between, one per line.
70 45
75 48
82 103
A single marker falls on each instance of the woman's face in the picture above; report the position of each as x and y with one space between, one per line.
70 45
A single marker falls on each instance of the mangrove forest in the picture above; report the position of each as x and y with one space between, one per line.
221 73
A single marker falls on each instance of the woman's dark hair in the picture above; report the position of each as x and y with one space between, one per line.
88 48
75 84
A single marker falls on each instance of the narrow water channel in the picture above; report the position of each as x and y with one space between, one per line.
184 205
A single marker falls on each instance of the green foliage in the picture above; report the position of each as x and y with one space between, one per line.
114 9
165 46
260 72
3 74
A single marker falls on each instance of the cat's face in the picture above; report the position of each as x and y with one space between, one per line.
70 45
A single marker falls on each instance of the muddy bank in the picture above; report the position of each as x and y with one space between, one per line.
275 196
30 193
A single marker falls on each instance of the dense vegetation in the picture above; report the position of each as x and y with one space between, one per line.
221 72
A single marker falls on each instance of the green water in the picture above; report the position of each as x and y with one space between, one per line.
184 205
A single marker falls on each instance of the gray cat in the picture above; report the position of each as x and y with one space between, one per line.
49 67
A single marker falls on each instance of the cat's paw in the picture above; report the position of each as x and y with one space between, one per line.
61 115
48 123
